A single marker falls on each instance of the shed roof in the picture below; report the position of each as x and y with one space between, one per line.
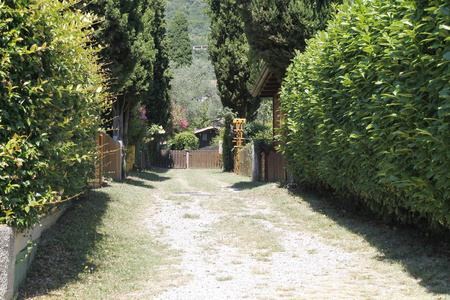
267 84
205 129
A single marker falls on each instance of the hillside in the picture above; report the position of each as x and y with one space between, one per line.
198 20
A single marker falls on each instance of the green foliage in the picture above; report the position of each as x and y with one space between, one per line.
137 126
235 66
50 85
260 134
157 102
185 141
197 19
193 88
135 57
265 111
368 109
275 28
227 141
180 47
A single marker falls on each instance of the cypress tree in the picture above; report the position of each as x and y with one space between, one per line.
180 48
276 28
136 58
233 62
158 101
129 58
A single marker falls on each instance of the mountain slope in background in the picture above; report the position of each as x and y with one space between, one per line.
197 19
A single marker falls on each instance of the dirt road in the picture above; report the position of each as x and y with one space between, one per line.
241 240
205 234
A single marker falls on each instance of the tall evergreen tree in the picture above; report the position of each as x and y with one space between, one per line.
180 47
275 28
232 59
129 58
158 102
135 57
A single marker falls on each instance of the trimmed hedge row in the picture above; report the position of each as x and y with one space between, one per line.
50 106
367 109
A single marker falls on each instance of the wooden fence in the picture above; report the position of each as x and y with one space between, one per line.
131 157
245 161
205 159
109 161
271 167
111 156
274 167
196 159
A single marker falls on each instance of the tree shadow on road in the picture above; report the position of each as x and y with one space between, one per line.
247 185
63 252
426 259
143 179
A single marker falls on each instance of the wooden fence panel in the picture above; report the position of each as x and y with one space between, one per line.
245 161
204 159
169 159
163 159
274 167
111 154
131 157
178 159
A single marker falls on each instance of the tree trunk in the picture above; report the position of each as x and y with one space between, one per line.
121 110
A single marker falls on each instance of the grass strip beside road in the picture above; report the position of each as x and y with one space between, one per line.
100 250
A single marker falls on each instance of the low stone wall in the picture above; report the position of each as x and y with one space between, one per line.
17 250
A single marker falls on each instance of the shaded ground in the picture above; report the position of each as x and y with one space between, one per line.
212 235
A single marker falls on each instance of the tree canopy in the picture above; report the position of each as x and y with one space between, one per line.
158 101
234 65
180 47
134 33
275 28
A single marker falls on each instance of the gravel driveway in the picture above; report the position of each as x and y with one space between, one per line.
259 242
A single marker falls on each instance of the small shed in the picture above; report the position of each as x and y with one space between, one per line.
205 135
273 165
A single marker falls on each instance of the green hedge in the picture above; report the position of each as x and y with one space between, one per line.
185 141
50 106
368 109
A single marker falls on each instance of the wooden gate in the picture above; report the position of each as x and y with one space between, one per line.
205 159
274 167
169 159
180 159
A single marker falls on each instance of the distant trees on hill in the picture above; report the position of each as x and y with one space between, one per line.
180 46
197 18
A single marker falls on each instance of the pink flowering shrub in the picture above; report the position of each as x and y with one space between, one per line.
137 126
179 120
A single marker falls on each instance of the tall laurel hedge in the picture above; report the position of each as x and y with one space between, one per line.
50 103
368 109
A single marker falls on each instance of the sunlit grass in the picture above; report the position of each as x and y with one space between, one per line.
99 250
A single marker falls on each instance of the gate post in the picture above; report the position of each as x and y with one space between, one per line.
256 163
187 159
